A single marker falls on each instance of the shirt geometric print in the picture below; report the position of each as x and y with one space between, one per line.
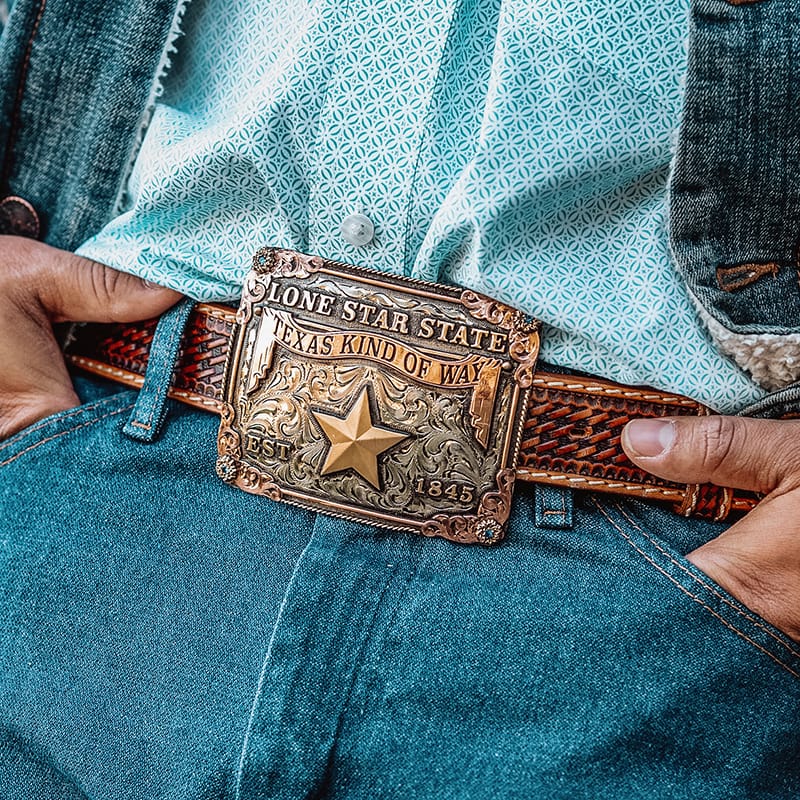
517 147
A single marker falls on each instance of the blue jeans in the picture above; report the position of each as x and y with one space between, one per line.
166 636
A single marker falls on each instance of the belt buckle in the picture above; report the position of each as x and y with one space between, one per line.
376 398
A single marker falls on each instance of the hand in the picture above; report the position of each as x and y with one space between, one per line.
39 286
757 559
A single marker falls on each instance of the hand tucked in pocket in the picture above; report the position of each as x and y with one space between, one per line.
40 285
757 559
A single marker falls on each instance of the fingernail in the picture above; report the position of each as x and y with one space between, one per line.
648 437
150 285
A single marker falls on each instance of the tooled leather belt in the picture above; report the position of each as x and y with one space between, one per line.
568 432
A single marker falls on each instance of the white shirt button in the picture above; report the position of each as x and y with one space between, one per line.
357 229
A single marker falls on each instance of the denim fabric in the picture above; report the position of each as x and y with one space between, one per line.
167 636
783 403
736 181
588 663
164 636
138 594
88 86
150 409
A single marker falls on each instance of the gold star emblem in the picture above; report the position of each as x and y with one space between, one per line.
355 441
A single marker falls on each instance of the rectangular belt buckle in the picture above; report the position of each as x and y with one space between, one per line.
376 398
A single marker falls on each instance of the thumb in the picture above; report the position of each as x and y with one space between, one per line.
754 454
75 289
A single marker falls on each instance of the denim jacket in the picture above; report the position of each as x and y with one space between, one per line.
735 187
77 83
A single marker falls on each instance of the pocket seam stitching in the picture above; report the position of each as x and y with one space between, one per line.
695 598
58 435
753 620
43 423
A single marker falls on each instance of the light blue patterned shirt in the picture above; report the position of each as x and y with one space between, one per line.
517 147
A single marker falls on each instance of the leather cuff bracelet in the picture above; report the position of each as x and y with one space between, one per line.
406 404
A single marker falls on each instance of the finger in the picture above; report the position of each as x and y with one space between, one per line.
22 410
753 454
34 381
75 289
757 560
40 285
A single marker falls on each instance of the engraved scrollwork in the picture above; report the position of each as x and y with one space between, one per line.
359 292
228 444
497 505
257 482
228 440
523 336
254 291
285 263
487 526
523 347
481 307
456 529
226 414
229 447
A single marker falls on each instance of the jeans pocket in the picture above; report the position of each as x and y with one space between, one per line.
731 614
27 442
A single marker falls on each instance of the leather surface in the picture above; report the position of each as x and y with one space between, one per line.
570 438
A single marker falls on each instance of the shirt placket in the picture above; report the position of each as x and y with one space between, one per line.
386 68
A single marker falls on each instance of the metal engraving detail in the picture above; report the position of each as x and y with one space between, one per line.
375 397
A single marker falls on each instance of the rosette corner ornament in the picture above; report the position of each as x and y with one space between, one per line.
376 398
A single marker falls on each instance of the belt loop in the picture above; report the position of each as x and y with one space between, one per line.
150 409
553 507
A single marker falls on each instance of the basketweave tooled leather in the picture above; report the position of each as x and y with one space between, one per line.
571 437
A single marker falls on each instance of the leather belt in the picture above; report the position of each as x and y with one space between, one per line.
571 433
